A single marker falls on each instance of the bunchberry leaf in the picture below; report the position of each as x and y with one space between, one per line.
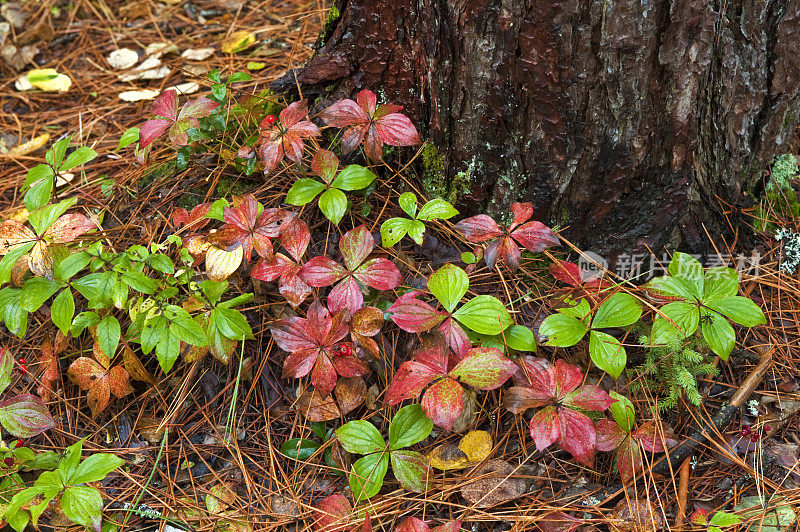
366 475
619 310
25 416
409 426
607 352
448 284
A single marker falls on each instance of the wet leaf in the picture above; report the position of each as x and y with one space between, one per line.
447 457
476 445
237 41
494 483
331 514
25 416
220 497
220 263
122 58
99 382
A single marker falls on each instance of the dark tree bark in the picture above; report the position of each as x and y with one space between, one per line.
628 120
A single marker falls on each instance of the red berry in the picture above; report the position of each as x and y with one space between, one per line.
22 361
23 370
345 350
271 119
745 431
767 428
754 438
9 461
20 443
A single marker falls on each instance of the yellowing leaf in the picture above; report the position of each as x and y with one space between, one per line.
447 456
237 41
48 80
220 263
136 96
476 445
31 146
255 65
220 497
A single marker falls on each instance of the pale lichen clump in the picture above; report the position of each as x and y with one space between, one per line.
791 250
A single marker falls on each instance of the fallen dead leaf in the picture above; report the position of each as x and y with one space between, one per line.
477 445
636 515
122 58
237 41
220 263
31 146
492 484
138 95
197 54
447 457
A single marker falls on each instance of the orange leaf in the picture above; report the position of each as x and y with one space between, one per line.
67 228
91 376
14 233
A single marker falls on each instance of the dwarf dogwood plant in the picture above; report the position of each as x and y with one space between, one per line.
595 289
314 345
375 125
556 389
629 440
165 108
332 202
570 324
39 183
483 314
285 135
357 273
704 299
434 368
25 415
411 469
394 229
294 239
248 225
504 246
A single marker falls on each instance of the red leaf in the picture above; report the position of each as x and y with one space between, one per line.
271 153
589 397
295 237
99 382
557 522
578 436
380 274
299 363
508 251
352 137
291 335
166 105
325 164
413 315
346 295
609 435
520 213
198 108
412 524
485 368
478 228
409 381
350 366
305 129
321 271
539 374
318 323
293 146
323 376
269 269
520 398
367 101
26 415
344 113
567 272
293 113
443 403
450 526
330 513
545 427
373 147
67 228
629 459
456 337
535 237
151 130
396 129
568 377
648 436
356 245
293 288
433 353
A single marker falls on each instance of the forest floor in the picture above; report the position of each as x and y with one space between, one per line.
205 444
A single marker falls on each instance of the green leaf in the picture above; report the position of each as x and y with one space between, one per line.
214 290
519 338
184 326
409 426
237 77
671 287
215 211
411 469
167 350
83 320
10 259
80 156
55 155
16 319
725 519
720 282
108 333
607 353
36 291
235 324
623 411
415 230
484 314
63 310
619 310
685 315
161 263
579 310
37 173
83 505
39 194
393 230
689 269
6 367
353 177
436 209
43 218
366 475
95 468
333 204
71 265
717 332
303 191
740 309
299 448
562 331
408 202
448 284
69 463
360 437
130 136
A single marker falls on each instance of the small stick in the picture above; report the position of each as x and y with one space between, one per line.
683 492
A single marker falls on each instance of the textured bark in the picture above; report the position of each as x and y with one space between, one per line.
627 120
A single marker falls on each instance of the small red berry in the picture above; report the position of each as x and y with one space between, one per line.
767 428
22 361
20 443
345 350
271 119
9 461
754 438
23 370
745 431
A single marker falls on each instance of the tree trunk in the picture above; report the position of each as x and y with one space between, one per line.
627 120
